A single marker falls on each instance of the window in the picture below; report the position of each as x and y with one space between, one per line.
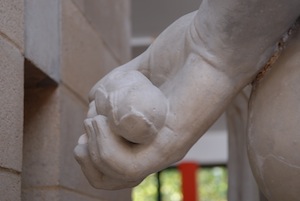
166 185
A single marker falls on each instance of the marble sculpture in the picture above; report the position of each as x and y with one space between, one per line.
146 114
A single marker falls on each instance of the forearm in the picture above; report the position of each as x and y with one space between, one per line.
198 65
243 34
197 96
233 47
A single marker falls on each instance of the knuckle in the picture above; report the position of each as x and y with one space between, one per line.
105 156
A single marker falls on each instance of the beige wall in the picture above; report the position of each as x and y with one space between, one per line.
11 98
67 46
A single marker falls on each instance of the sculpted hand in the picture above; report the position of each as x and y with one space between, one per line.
146 114
124 118
128 130
121 138
135 108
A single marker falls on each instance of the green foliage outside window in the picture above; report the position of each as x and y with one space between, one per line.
212 185
170 185
147 190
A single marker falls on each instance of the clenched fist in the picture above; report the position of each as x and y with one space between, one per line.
135 108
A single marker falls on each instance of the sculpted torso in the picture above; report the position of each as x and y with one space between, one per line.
146 114
273 127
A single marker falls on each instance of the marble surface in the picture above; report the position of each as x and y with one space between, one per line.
196 66
273 130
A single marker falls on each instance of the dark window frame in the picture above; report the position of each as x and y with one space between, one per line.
159 184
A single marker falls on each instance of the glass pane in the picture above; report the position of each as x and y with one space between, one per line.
212 185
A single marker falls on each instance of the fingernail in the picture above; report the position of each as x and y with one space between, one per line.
83 139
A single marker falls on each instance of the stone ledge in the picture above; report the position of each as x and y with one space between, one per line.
42 32
10 186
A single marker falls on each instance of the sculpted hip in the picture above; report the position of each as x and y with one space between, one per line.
274 125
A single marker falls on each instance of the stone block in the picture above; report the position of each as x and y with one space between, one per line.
12 21
41 137
34 194
85 58
56 194
53 123
72 115
11 101
111 19
10 186
42 33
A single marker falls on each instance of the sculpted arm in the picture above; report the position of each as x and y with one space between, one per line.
146 114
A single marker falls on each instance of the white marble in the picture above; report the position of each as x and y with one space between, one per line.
273 127
190 74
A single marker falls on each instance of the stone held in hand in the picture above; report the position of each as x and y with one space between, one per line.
136 109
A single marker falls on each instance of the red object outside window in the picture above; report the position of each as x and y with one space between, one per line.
189 180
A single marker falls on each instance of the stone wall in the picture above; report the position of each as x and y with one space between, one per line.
11 98
52 52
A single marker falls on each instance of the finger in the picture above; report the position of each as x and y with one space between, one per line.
83 139
101 101
92 144
92 174
96 178
116 152
95 152
133 162
92 112
93 90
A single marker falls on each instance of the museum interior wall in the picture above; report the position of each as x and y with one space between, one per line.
52 53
